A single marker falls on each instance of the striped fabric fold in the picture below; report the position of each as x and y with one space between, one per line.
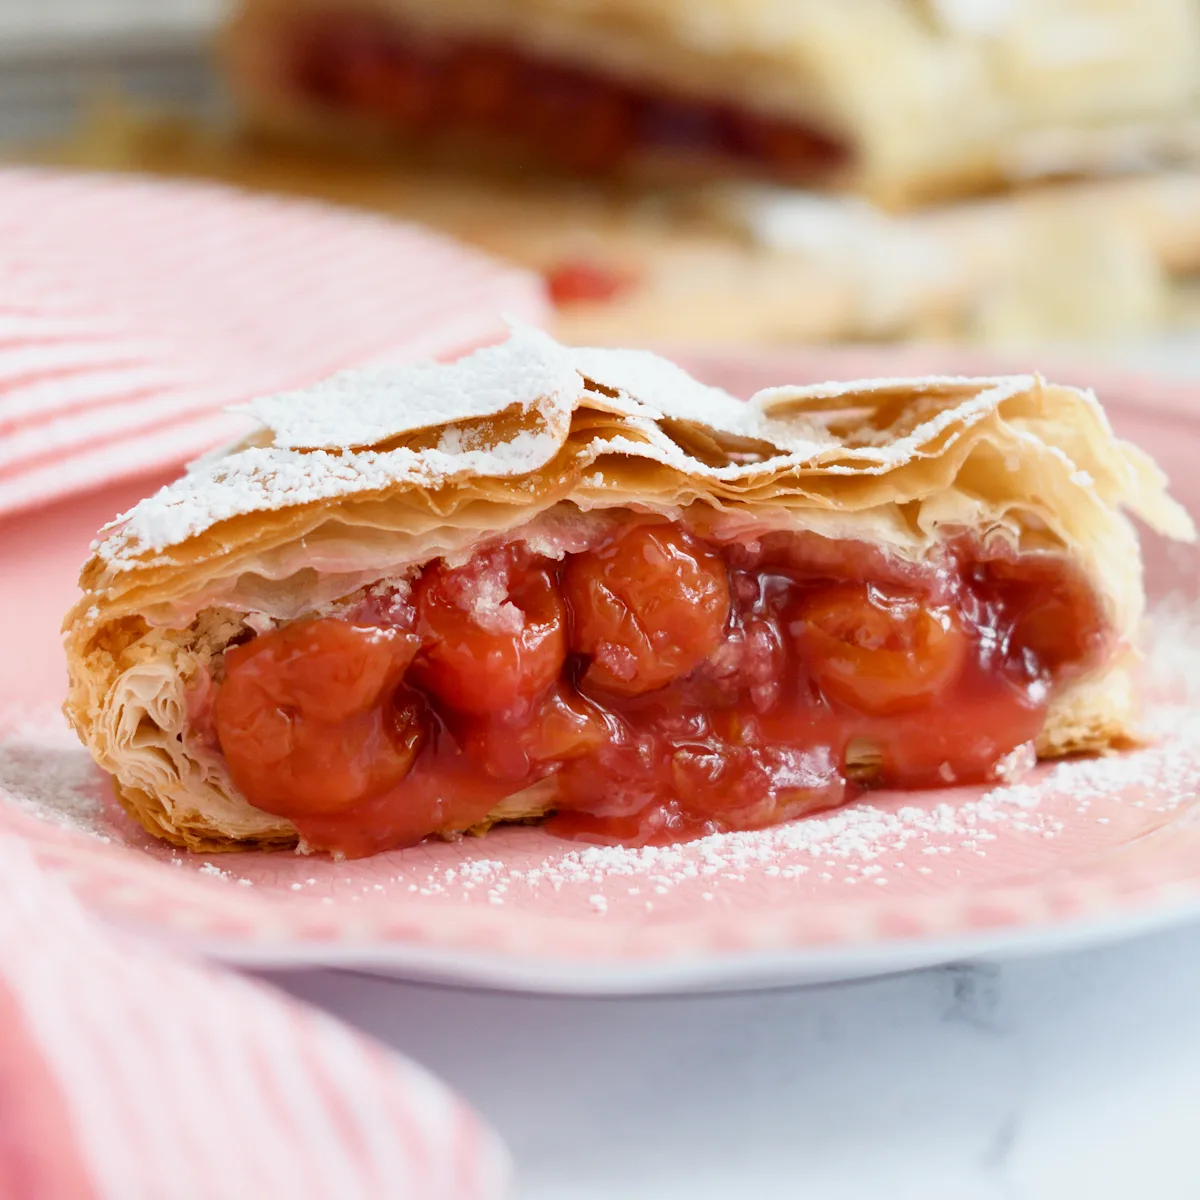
134 312
126 1073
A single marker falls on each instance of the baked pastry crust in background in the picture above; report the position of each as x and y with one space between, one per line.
932 97
369 475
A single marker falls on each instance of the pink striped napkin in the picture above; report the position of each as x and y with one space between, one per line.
130 1074
132 312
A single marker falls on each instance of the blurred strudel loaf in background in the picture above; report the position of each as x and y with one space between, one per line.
902 100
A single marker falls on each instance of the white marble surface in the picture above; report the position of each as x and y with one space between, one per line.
1049 1079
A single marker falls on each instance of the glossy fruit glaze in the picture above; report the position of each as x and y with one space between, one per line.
657 685
567 115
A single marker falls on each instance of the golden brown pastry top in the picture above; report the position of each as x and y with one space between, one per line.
373 471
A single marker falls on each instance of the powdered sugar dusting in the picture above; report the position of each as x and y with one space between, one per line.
365 407
876 446
1172 649
852 839
327 440
45 773
490 606
258 479
1008 385
667 391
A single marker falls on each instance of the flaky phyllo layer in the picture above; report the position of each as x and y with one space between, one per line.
352 491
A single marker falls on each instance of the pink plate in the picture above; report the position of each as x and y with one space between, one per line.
1078 852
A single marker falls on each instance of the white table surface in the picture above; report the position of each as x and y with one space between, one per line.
1070 1076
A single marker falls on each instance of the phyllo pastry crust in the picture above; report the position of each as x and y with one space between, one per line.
899 98
578 584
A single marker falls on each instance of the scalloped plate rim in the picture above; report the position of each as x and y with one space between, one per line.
728 972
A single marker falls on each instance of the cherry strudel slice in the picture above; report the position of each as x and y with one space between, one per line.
579 586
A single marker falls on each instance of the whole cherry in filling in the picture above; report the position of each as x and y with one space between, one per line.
880 651
493 633
646 609
653 686
311 718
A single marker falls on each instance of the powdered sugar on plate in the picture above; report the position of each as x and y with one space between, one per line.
45 773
